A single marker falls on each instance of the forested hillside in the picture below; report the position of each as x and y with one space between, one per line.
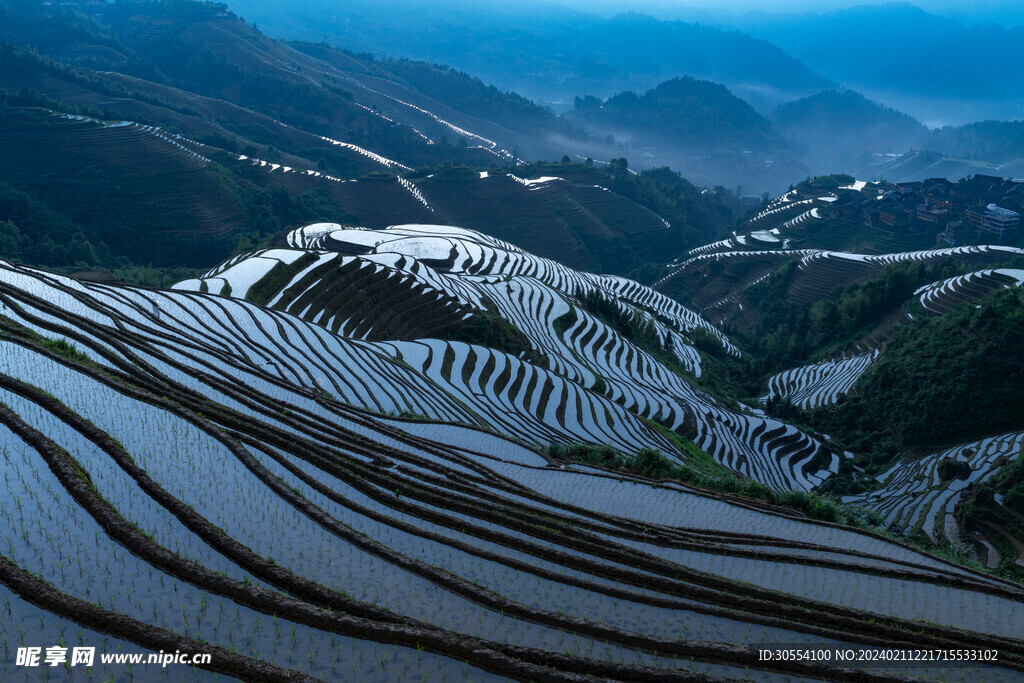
543 50
843 129
941 379
429 383
687 111
202 128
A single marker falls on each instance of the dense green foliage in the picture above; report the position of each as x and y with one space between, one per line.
653 464
1010 482
64 348
31 232
100 214
787 335
70 36
635 328
942 378
690 111
88 221
695 215
721 371
980 512
472 96
698 215
30 60
488 328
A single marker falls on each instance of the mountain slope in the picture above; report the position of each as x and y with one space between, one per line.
283 133
842 129
686 111
906 361
475 273
545 52
999 142
464 552
940 71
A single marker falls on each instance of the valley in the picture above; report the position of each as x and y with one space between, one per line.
343 367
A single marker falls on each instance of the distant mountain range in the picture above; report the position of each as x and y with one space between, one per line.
937 69
250 82
697 127
540 49
431 378
940 71
829 87
218 137
839 131
706 132
684 110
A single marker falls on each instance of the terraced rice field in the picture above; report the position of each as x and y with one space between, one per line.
820 384
940 297
196 475
164 171
781 212
914 496
822 271
580 381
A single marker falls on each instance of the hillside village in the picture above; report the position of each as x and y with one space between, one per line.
297 345
980 209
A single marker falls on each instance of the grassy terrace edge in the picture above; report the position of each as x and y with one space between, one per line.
651 464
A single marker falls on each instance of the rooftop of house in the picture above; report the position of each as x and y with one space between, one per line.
1001 212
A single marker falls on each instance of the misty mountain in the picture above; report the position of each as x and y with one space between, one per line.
906 57
540 49
682 111
697 127
839 130
205 49
993 141
857 42
240 136
465 93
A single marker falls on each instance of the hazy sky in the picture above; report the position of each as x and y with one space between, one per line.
1007 12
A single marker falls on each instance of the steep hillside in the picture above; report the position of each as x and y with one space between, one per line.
993 141
544 51
66 34
226 449
940 71
468 94
75 162
464 274
203 48
261 136
935 359
840 129
210 189
685 110
907 361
